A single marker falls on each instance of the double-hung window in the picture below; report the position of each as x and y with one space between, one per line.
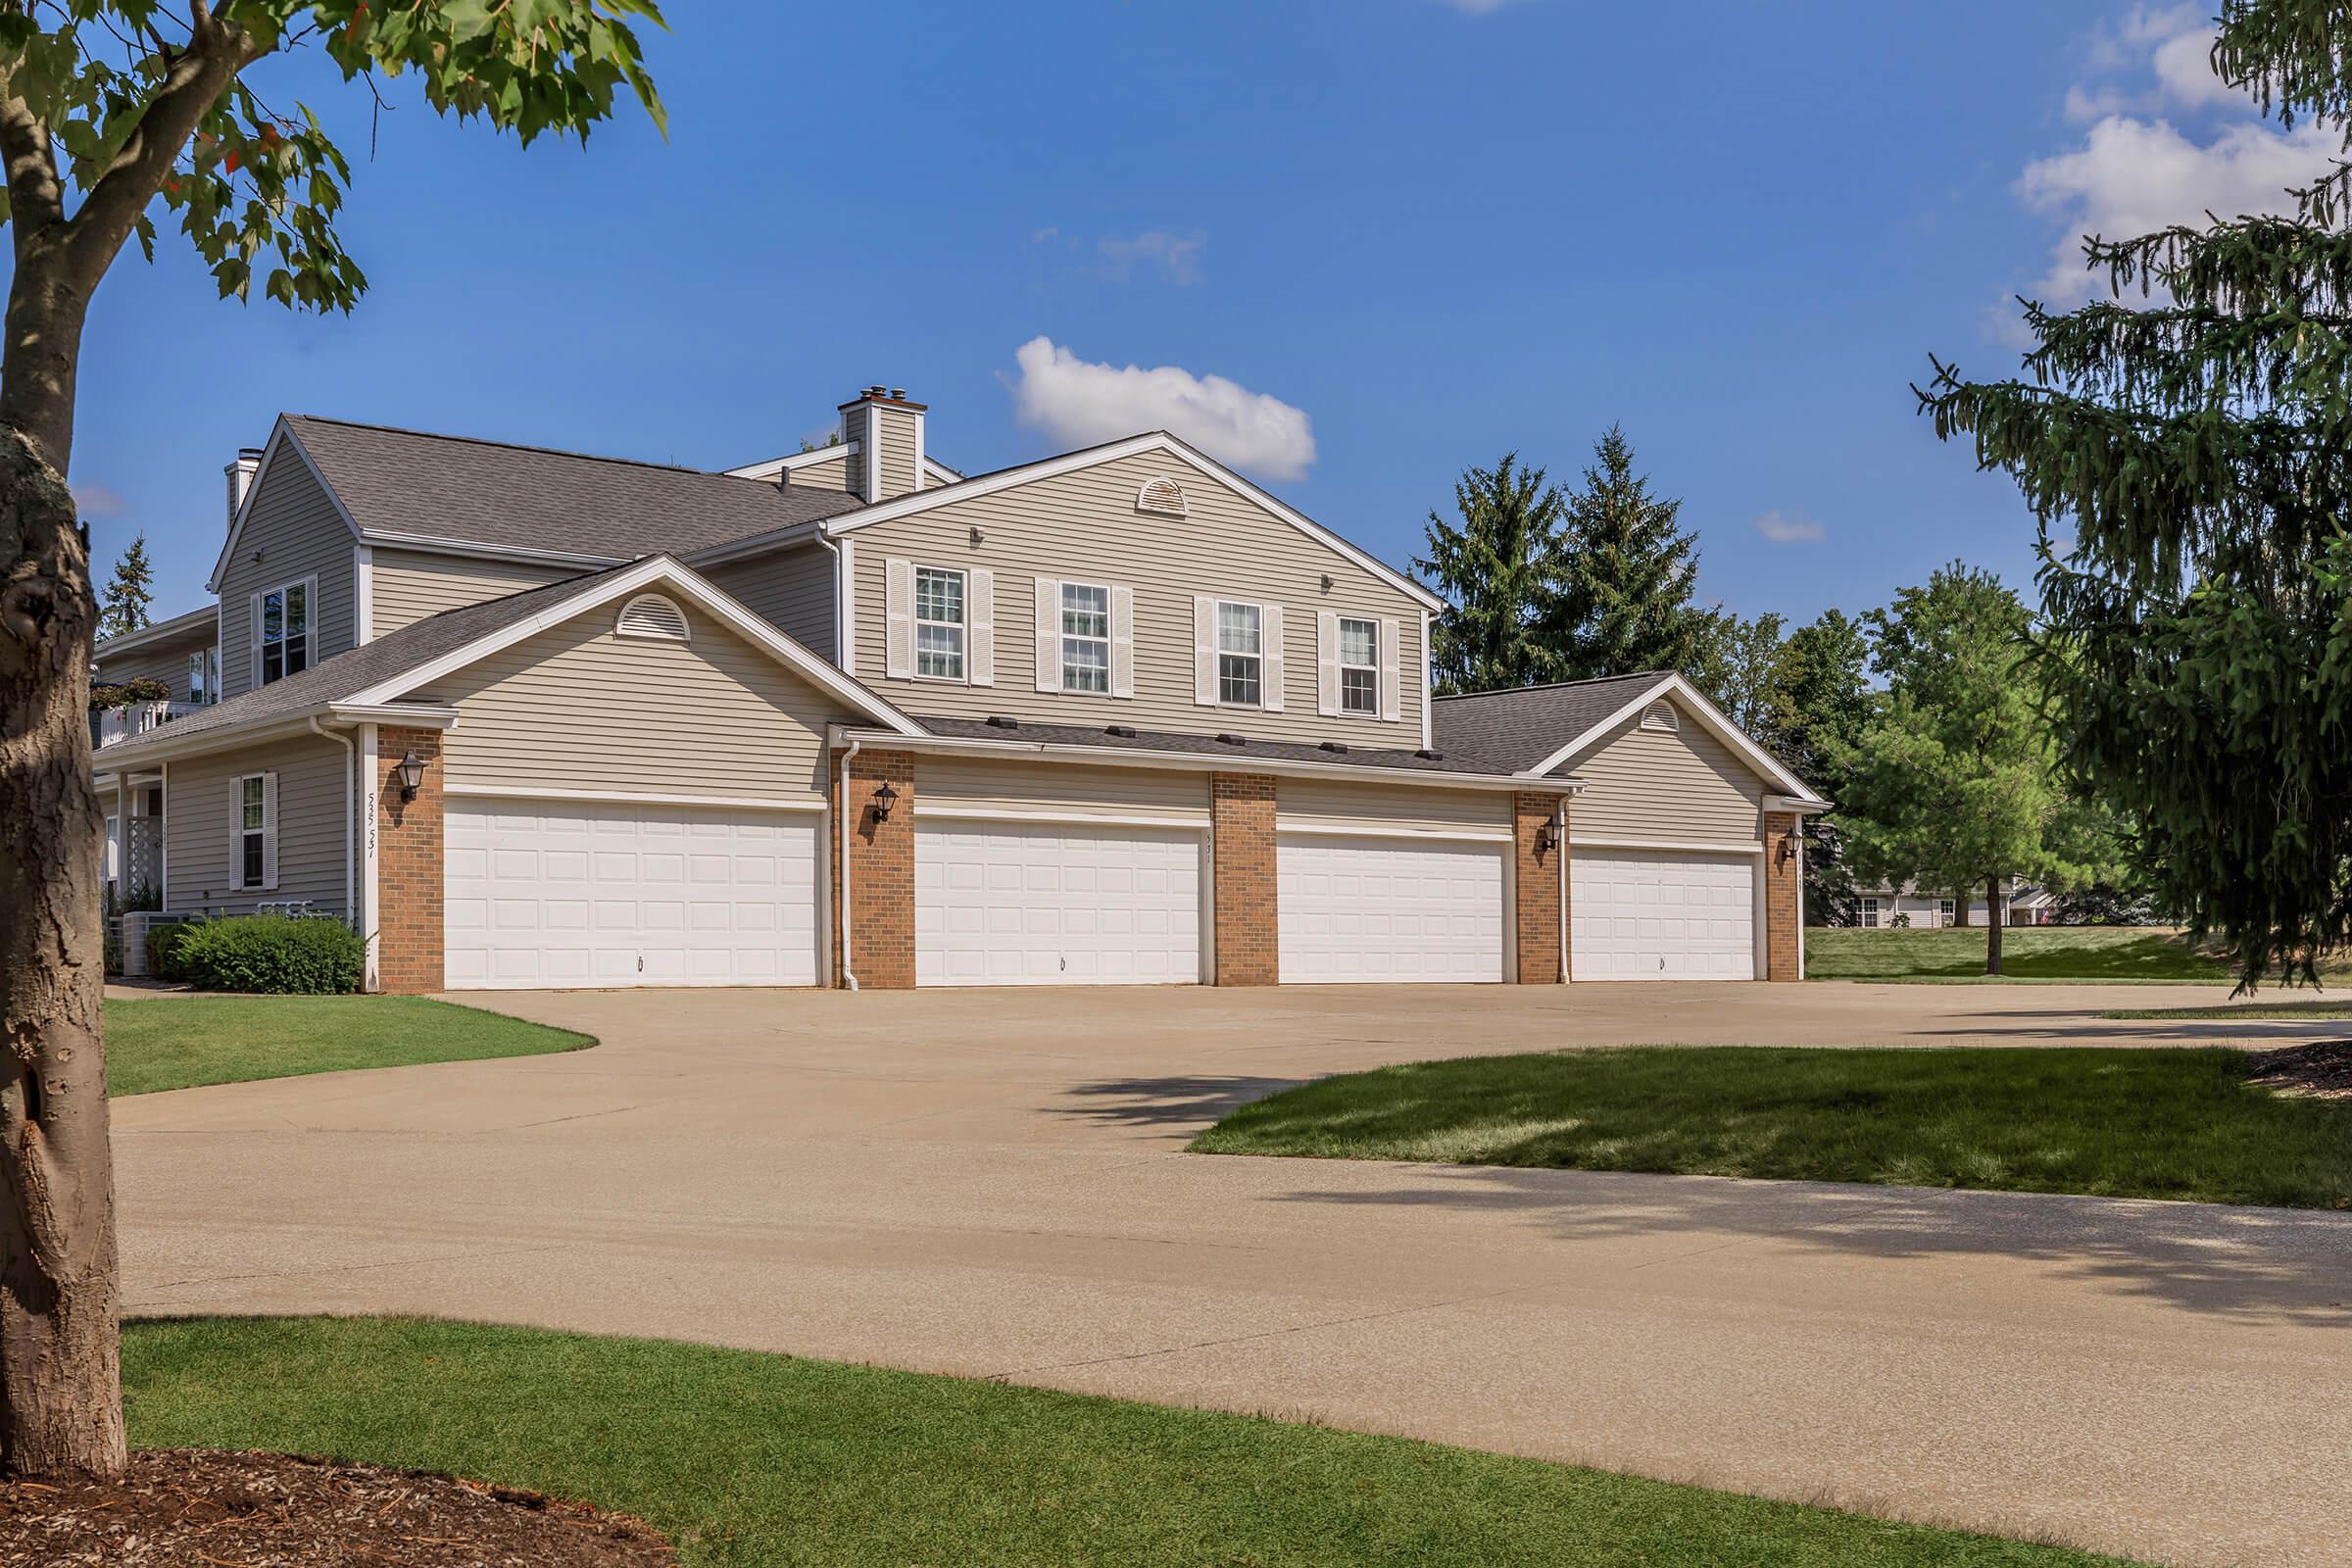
284 634
1869 913
204 677
939 624
1241 654
1359 666
1085 637
253 829
1945 911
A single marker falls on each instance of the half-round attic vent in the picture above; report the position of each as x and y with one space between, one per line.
652 615
1661 715
1162 495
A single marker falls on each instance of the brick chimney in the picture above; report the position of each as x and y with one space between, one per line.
889 432
240 478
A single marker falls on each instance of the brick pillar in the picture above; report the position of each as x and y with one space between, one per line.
1784 929
881 942
1241 809
1541 902
408 862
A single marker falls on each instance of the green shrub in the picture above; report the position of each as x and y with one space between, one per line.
163 950
266 952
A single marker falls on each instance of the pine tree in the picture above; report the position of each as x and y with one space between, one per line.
129 594
1491 570
1625 576
2186 446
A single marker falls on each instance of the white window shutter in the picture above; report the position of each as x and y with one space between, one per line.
1122 642
1391 684
1270 689
1049 634
1205 651
898 617
1327 663
980 612
236 833
270 831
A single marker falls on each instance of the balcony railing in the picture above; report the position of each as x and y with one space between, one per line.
111 725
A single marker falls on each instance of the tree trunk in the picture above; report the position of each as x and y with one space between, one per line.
1992 925
1960 909
61 1396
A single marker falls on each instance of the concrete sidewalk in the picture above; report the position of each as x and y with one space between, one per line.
992 1184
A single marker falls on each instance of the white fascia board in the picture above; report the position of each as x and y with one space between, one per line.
161 631
1809 805
414 715
940 473
281 440
1711 719
775 466
1578 841
428 544
792 537
285 726
691 586
1197 762
1112 452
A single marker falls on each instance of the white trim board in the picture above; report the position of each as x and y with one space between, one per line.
953 812
703 594
728 802
772 466
1376 830
1577 841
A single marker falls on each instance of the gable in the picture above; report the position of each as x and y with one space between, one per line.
290 529
1664 786
578 707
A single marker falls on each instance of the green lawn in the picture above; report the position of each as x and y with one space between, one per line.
2180 1125
764 1460
177 1041
2340 1007
2105 954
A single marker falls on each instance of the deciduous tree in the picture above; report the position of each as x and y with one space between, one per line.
2187 444
116 118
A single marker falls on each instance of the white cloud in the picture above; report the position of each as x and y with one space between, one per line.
1476 7
2135 177
1790 528
94 499
1179 255
1083 402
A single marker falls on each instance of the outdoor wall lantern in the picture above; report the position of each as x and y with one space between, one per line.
1788 841
1546 837
884 798
411 774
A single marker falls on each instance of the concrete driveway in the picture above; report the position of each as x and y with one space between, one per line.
992 1184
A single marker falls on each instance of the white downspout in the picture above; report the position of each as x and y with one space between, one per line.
351 766
849 977
839 631
1559 820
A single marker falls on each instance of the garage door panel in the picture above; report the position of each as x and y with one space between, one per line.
1376 908
1056 906
619 895
1661 915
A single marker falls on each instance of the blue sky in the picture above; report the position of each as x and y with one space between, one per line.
1422 232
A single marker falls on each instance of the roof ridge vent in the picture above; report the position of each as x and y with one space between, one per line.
1231 739
1335 745
1428 756
1125 732
999 721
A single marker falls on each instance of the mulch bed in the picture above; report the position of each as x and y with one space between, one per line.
193 1507
2322 1069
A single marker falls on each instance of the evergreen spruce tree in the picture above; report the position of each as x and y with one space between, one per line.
1622 603
1491 569
2187 444
129 594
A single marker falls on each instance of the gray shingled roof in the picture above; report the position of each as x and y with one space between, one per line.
531 498
348 674
1519 727
1096 735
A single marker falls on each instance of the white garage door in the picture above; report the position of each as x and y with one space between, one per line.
1660 915
547 892
1002 904
1363 910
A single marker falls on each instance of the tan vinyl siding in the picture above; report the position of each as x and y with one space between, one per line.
578 708
1671 786
897 452
410 585
1344 802
165 661
1082 526
198 806
292 523
946 783
833 474
789 589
